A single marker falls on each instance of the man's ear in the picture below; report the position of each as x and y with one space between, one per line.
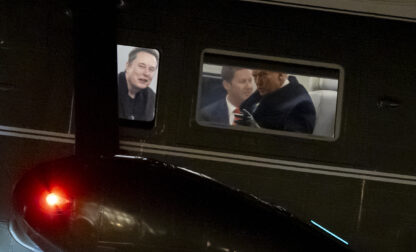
127 65
226 85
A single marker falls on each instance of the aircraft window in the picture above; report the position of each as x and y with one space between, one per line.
269 95
137 69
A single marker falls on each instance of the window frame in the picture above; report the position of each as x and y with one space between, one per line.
269 60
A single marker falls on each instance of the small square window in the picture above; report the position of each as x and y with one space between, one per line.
137 82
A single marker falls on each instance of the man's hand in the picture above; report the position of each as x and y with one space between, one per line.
246 119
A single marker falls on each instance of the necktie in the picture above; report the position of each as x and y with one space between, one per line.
236 111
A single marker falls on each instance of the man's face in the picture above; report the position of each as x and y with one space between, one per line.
139 73
241 86
268 81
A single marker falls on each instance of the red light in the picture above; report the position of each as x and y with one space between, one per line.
52 199
55 200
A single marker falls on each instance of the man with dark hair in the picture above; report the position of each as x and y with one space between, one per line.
238 82
279 103
136 101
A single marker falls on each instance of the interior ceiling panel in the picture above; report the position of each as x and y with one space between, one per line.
390 9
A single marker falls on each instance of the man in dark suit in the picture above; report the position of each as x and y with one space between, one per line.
280 103
238 82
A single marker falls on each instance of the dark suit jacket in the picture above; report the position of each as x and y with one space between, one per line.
289 108
216 112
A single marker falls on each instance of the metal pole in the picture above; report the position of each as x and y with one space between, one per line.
95 78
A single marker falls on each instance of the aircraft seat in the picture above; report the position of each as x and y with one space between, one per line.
211 90
324 100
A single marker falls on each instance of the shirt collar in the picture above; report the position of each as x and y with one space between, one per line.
285 83
231 108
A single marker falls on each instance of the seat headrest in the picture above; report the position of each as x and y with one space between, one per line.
328 84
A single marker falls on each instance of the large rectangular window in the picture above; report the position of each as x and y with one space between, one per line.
269 94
